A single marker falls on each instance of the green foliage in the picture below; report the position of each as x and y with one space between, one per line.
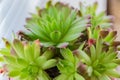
97 19
25 60
55 25
108 37
42 53
68 66
100 63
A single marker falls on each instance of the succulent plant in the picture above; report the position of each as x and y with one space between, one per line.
26 62
100 63
108 37
68 66
55 25
97 19
61 43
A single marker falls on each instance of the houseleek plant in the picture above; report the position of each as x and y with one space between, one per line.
63 43
55 25
68 66
26 62
96 18
100 62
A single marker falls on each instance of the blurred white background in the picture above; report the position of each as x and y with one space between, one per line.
14 12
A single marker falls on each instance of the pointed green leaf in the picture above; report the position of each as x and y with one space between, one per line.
93 52
78 77
113 73
90 71
10 59
41 60
29 52
104 77
67 54
48 54
14 73
18 46
36 49
49 64
22 62
96 73
61 77
5 51
85 57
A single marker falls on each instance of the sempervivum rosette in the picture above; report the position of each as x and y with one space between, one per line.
100 62
55 25
25 61
97 19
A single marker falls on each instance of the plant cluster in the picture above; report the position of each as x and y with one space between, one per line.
63 43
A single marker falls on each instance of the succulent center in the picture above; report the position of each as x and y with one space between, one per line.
32 70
